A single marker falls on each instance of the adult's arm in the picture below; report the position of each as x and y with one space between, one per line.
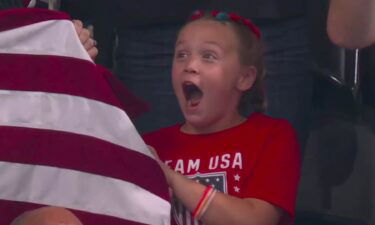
351 23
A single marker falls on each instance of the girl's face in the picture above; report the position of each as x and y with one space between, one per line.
207 76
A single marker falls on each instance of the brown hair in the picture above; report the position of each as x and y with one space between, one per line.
251 53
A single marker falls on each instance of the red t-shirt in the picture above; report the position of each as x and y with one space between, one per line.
257 159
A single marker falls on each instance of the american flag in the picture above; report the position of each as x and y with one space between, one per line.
65 139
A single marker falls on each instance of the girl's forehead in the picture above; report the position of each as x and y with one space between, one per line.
208 30
203 24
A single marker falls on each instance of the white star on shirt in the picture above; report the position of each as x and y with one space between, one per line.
236 189
237 177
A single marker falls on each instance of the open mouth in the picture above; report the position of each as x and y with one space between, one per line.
193 93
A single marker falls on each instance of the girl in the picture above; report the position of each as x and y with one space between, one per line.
222 167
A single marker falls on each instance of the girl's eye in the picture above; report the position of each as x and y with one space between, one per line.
181 55
209 56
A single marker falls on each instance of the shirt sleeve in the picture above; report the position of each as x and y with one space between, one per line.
276 172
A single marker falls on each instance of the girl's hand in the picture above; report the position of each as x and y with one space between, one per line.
86 38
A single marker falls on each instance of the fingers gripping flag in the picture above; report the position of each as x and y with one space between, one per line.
65 139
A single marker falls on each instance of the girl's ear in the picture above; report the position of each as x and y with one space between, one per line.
247 78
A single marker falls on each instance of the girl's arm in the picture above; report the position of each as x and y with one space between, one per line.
224 209
274 179
351 23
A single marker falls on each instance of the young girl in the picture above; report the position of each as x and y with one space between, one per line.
222 167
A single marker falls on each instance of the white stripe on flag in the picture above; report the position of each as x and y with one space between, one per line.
72 114
53 37
89 192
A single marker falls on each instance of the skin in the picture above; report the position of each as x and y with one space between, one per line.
351 24
212 63
85 36
47 216
207 55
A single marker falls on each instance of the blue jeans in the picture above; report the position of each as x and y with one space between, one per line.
143 61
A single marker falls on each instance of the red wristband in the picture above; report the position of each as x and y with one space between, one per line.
202 202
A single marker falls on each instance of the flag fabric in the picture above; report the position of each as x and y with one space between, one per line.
65 138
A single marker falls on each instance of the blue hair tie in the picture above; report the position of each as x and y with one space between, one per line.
222 16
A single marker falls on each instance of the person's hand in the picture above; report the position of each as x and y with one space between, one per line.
85 36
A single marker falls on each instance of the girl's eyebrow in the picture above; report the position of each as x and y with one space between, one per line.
181 42
214 43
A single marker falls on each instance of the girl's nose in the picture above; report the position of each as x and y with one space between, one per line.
192 66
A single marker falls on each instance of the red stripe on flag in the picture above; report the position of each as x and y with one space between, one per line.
11 209
15 18
54 74
82 153
64 75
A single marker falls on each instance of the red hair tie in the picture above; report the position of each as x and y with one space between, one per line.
252 27
196 15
